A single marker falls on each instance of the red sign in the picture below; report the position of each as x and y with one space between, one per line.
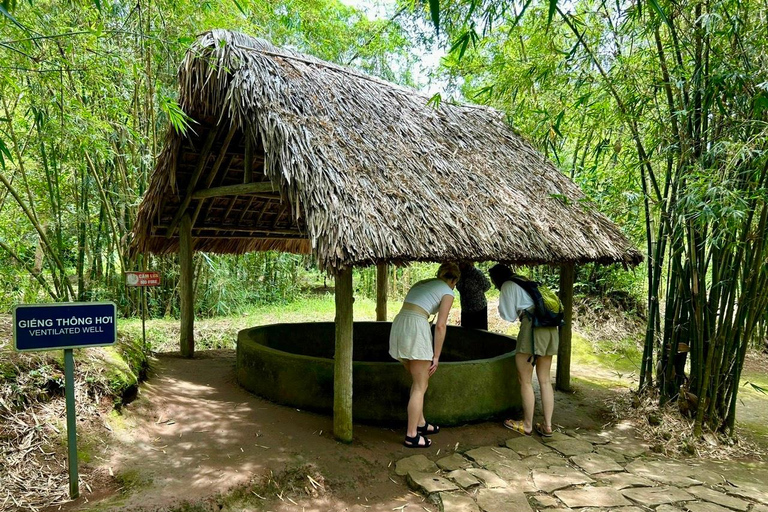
142 279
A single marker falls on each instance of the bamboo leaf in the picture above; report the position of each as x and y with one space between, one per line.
4 153
4 12
240 7
435 101
552 9
660 11
519 16
434 9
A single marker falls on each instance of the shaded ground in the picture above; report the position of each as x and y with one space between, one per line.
194 433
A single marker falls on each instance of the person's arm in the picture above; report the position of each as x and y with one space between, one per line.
440 328
508 302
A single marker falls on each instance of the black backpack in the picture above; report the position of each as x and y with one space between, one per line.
548 310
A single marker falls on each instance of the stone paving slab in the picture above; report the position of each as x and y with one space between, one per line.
712 496
571 447
668 508
555 478
759 508
517 478
650 496
594 463
593 497
526 446
489 478
491 455
556 436
428 483
665 473
453 462
457 503
543 461
546 501
629 449
747 490
703 506
502 500
602 437
463 478
621 481
613 454
414 463
707 476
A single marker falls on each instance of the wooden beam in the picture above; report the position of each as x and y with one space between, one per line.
204 154
342 369
563 379
186 288
241 229
242 189
248 162
215 169
238 237
381 292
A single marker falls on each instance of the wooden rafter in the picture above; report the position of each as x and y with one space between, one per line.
242 189
205 152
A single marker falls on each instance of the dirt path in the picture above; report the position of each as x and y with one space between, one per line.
194 433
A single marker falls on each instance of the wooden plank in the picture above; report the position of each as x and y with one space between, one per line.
242 189
563 378
342 369
204 154
186 288
248 162
381 292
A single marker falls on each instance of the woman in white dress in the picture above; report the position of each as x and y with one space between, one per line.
410 342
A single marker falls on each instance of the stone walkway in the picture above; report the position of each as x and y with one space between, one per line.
584 471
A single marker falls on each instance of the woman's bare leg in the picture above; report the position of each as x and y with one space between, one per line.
524 376
543 367
420 373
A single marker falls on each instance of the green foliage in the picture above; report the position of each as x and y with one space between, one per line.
660 118
86 91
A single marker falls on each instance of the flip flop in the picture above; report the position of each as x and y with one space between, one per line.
425 429
517 426
540 430
415 441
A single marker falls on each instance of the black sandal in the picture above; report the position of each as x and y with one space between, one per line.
424 429
414 442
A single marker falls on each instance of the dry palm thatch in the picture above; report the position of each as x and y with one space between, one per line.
356 170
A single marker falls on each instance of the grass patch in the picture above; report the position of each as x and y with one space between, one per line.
622 356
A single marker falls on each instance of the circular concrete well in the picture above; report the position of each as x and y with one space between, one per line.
292 364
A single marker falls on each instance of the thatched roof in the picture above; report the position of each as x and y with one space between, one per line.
355 170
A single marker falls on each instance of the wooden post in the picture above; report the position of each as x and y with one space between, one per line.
563 379
342 371
381 292
186 289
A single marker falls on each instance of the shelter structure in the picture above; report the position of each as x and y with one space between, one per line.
291 153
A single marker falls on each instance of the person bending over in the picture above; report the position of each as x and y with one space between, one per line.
516 304
410 342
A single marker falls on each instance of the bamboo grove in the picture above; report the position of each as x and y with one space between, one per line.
87 91
670 98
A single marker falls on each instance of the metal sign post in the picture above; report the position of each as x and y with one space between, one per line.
65 326
143 279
